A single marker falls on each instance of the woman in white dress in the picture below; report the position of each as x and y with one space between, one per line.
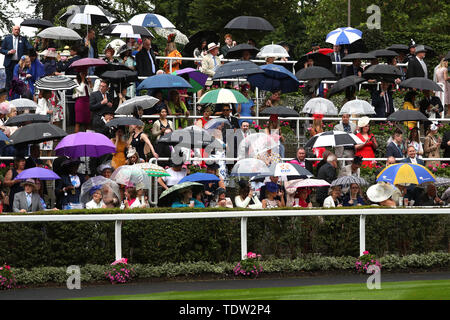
97 201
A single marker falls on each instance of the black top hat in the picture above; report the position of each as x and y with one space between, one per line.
213 166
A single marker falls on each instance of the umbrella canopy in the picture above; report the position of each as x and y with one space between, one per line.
348 180
249 23
196 78
110 67
108 187
237 51
314 73
190 137
130 105
420 83
382 72
319 59
123 77
359 55
223 96
55 83
249 168
256 144
217 123
200 177
37 173
59 33
24 118
341 36
333 139
399 48
164 81
306 183
36 23
344 83
88 62
22 104
280 111
179 36
152 170
274 78
400 173
196 39
320 106
236 69
323 51
87 14
85 144
131 175
124 121
151 20
357 107
273 50
37 132
283 169
384 53
407 115
442 182
126 30
172 193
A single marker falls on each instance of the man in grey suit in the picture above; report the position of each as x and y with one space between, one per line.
27 200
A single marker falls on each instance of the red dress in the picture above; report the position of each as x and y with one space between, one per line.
366 151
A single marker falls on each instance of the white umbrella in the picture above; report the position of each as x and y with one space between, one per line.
256 144
116 44
357 107
151 20
304 183
131 175
250 167
273 50
126 30
129 106
180 37
59 33
320 106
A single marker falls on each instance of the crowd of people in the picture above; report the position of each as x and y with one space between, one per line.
95 103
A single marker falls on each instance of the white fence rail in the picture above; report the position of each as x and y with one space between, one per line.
243 215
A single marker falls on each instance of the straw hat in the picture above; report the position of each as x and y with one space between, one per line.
131 152
212 45
364 121
30 182
380 192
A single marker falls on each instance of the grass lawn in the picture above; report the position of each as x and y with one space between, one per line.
408 290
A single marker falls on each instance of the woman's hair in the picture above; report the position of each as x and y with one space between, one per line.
335 188
244 188
132 192
442 63
79 76
22 61
317 125
171 46
11 110
409 96
174 94
415 131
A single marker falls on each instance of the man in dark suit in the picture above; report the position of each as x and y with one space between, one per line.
327 172
336 56
394 149
431 106
91 44
100 123
412 157
354 69
100 101
13 47
416 65
146 64
301 160
27 200
383 101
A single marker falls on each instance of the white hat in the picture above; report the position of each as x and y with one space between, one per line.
212 45
364 121
380 192
434 127
131 152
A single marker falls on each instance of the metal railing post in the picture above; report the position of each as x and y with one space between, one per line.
362 234
118 239
243 238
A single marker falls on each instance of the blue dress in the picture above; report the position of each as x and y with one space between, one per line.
197 204
245 110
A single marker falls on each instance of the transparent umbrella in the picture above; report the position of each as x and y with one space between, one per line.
357 107
109 188
273 50
256 144
131 175
250 167
320 106
180 37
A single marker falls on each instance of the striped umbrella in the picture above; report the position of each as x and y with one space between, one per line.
223 96
348 180
333 139
55 83
23 103
343 36
126 30
86 14
400 173
151 20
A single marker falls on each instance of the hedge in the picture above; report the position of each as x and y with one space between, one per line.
308 263
57 244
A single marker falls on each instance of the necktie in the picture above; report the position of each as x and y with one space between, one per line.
338 67
28 200
214 60
386 102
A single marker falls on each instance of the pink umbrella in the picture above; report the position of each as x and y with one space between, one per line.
88 62
302 183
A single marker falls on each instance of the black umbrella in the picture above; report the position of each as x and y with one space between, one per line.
383 53
344 83
249 23
314 73
124 121
358 55
122 76
195 41
37 132
22 119
36 23
399 48
125 29
188 138
95 14
407 115
280 111
236 69
420 83
447 57
320 60
110 67
237 51
384 72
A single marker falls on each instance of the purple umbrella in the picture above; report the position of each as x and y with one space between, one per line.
195 78
37 173
85 144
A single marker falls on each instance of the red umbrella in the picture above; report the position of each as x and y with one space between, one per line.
88 62
324 51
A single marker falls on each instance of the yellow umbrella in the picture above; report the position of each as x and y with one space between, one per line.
401 173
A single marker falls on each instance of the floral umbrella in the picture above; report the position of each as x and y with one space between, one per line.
152 170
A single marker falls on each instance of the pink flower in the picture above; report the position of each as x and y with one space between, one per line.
2 165
366 252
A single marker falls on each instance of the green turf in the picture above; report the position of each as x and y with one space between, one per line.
408 290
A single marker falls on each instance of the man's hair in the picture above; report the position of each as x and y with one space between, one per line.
397 132
331 158
228 36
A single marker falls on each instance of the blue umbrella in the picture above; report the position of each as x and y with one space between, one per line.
275 77
164 81
343 36
199 177
402 173
37 173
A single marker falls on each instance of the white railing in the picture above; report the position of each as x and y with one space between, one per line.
243 215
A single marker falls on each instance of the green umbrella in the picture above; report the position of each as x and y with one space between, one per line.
174 190
152 170
223 96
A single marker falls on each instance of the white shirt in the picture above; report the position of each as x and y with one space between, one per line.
15 46
329 202
136 204
43 106
93 205
175 176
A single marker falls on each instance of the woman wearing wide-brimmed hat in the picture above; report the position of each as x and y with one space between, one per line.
367 149
381 193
